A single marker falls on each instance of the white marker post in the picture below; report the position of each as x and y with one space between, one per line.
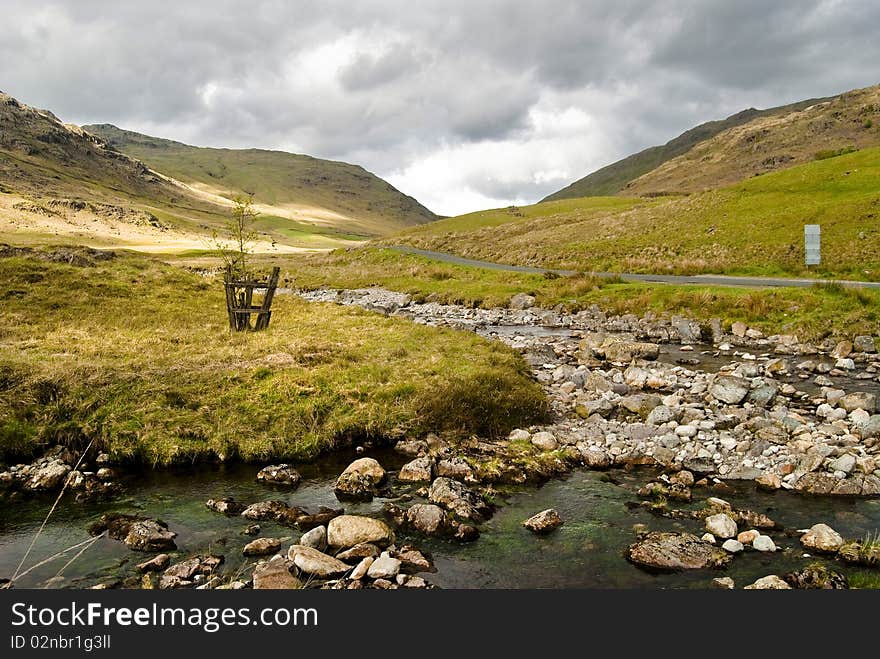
812 244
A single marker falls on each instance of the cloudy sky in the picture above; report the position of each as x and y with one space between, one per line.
464 105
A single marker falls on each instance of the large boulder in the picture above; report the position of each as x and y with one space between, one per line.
458 499
676 551
623 351
543 522
283 474
311 561
730 389
823 538
350 530
367 467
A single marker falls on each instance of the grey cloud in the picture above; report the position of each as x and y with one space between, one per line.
451 73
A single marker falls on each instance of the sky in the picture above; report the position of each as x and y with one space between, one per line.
463 105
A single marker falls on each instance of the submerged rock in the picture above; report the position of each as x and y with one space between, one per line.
544 521
676 551
226 506
137 533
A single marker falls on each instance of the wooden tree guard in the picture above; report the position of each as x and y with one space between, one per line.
239 301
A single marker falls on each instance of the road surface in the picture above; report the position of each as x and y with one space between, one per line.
703 280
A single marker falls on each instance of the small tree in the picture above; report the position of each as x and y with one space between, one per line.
241 234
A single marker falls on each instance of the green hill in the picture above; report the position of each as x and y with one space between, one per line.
754 227
613 178
300 187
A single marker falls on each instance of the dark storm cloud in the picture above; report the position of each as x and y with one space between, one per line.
460 103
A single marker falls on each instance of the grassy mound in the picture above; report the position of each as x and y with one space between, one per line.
136 355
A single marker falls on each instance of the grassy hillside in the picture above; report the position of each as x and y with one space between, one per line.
613 178
347 196
755 227
847 122
137 356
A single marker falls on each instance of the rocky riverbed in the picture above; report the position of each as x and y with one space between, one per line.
699 445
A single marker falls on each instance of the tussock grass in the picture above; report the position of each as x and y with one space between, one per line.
136 356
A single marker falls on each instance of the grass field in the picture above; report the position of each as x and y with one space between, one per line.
753 228
137 356
811 313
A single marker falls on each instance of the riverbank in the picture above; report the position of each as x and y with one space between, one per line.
134 357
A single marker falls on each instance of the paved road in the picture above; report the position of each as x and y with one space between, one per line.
704 280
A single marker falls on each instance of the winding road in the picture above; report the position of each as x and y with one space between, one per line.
700 280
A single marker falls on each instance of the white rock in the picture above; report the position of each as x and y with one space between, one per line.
763 543
721 526
545 441
733 546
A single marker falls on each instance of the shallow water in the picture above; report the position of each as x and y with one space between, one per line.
587 551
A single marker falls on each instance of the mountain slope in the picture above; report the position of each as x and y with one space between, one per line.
847 122
753 227
613 178
295 186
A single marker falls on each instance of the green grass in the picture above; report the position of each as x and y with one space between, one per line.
136 355
811 313
753 228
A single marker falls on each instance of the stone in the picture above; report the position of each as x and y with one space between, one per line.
412 560
519 435
155 564
225 506
763 543
844 463
730 389
708 537
543 522
261 547
768 481
384 567
50 476
350 530
311 561
640 404
457 468
660 415
137 533
594 458
815 577
276 511
724 583
316 538
676 551
747 537
359 552
427 518
721 526
733 546
865 344
739 329
764 394
683 477
283 474
354 487
418 470
252 529
360 571
458 499
275 575
770 582
822 538
545 441
870 428
521 301
623 351
859 400
842 350
367 467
